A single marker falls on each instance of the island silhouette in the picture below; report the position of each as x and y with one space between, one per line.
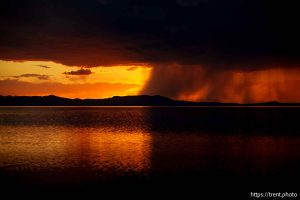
140 100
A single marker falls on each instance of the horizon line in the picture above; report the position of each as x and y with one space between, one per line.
157 95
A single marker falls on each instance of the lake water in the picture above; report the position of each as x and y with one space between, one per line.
76 146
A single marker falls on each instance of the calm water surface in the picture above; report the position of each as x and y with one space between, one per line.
75 145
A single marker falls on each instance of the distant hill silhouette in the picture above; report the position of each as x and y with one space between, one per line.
142 100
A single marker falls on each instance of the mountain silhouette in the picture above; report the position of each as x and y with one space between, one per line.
142 100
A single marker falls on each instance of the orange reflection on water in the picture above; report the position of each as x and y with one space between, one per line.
108 150
90 149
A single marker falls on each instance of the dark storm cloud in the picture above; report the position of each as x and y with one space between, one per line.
189 2
216 34
80 72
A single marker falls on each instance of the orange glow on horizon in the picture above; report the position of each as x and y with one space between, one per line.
41 78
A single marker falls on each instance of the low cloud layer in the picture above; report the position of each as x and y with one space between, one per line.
43 66
80 72
38 76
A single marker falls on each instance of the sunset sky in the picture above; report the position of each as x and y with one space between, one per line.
45 77
198 50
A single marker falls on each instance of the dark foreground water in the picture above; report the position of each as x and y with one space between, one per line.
221 151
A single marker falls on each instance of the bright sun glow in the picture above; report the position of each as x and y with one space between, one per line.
45 77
